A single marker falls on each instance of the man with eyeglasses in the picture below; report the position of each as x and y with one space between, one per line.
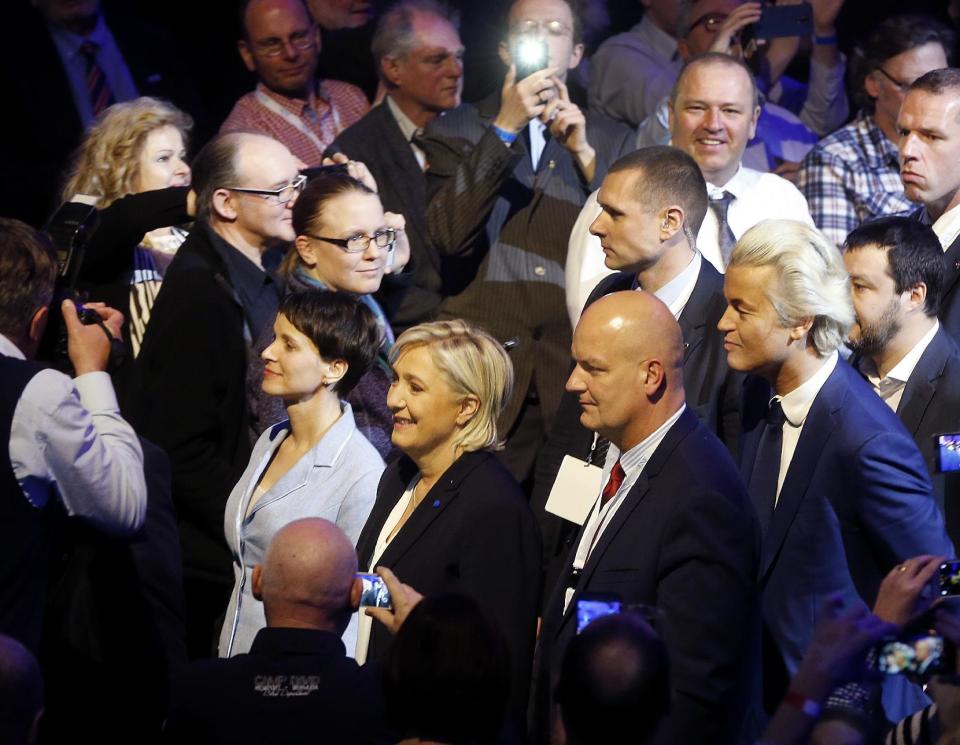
507 179
281 45
852 175
192 397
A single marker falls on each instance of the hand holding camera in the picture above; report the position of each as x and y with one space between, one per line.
92 330
522 100
400 599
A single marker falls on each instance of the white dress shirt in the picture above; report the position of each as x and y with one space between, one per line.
67 437
632 463
947 227
890 388
409 131
759 196
796 405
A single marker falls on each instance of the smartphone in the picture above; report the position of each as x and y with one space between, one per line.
375 593
530 55
591 606
948 452
778 21
918 654
950 578
335 169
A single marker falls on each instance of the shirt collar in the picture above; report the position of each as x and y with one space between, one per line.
659 40
9 349
245 276
738 184
637 456
296 105
796 404
407 127
902 371
673 290
70 42
273 640
887 152
947 227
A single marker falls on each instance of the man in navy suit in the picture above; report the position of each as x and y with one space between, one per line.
896 272
838 485
929 128
672 527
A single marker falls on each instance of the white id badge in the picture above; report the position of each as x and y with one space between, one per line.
575 490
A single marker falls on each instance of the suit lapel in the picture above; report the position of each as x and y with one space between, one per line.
920 388
817 429
693 319
951 258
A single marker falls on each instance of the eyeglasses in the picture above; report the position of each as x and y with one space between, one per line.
283 195
356 244
302 40
710 21
901 85
552 28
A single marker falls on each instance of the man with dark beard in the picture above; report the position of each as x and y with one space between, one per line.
896 276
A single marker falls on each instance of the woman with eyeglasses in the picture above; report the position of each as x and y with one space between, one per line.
345 242
314 463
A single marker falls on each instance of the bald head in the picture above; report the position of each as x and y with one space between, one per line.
308 577
21 692
628 377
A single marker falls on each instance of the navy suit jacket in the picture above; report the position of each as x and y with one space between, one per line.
712 389
930 406
683 540
855 502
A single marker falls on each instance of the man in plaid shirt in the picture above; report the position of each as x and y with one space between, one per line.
853 174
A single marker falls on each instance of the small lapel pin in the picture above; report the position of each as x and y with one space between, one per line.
436 503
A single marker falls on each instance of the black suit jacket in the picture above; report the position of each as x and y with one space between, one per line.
414 295
503 228
294 686
190 397
930 406
712 389
42 127
950 292
685 541
472 533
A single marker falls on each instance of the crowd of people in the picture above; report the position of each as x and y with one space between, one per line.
629 384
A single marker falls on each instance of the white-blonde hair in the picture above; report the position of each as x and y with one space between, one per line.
811 280
472 363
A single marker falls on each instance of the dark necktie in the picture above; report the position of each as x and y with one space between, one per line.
613 484
766 467
598 453
725 238
97 86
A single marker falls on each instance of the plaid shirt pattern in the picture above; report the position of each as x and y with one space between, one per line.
851 176
335 107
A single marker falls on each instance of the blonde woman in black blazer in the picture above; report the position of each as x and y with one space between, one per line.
448 515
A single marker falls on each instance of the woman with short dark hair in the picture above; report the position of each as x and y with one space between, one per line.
315 463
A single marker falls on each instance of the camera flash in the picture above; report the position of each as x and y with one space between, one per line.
531 53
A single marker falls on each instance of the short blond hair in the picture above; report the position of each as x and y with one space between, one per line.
472 363
107 163
812 281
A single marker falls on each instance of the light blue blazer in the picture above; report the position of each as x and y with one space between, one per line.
337 480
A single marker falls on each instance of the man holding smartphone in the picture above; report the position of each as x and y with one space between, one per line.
506 181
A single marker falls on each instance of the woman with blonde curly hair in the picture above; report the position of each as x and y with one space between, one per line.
134 148
449 517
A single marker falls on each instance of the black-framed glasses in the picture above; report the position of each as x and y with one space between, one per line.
302 40
901 85
551 28
356 244
710 21
276 196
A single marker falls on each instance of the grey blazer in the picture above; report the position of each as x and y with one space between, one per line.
337 480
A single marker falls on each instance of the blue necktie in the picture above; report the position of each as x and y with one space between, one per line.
766 467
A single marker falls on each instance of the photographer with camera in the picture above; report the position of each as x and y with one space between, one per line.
65 440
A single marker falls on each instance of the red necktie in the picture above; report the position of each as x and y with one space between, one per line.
613 484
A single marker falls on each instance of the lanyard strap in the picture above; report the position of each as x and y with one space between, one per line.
294 121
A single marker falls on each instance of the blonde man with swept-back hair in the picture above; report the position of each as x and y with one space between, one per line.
449 517
840 490
472 363
108 162
811 280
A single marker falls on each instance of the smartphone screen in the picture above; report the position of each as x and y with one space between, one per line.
950 578
592 609
948 452
919 654
778 21
530 55
375 593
